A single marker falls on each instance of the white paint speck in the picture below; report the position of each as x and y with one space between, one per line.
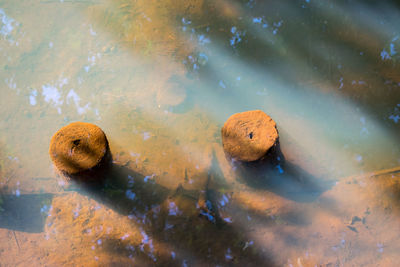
75 97
173 209
125 236
146 135
380 247
51 95
32 97
92 32
7 26
146 178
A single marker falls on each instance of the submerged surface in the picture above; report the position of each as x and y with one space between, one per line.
160 78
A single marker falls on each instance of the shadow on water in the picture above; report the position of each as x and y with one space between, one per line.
19 212
170 217
123 190
25 213
275 174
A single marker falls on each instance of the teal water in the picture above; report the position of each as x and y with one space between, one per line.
160 78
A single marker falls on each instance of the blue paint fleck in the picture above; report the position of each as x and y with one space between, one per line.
208 215
392 50
186 22
130 195
203 39
202 59
228 255
385 55
228 220
278 24
394 118
173 209
341 83
146 178
279 168
257 20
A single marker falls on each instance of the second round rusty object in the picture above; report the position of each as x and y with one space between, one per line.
247 136
78 147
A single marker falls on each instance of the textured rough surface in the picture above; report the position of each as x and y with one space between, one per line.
78 147
247 136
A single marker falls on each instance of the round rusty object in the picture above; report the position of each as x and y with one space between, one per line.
247 136
78 147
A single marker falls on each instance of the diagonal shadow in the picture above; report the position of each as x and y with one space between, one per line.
185 231
274 173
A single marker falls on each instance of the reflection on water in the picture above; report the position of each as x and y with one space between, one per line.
160 78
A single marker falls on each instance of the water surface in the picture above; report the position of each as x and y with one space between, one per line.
160 78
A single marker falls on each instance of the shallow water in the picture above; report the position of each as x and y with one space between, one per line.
160 78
